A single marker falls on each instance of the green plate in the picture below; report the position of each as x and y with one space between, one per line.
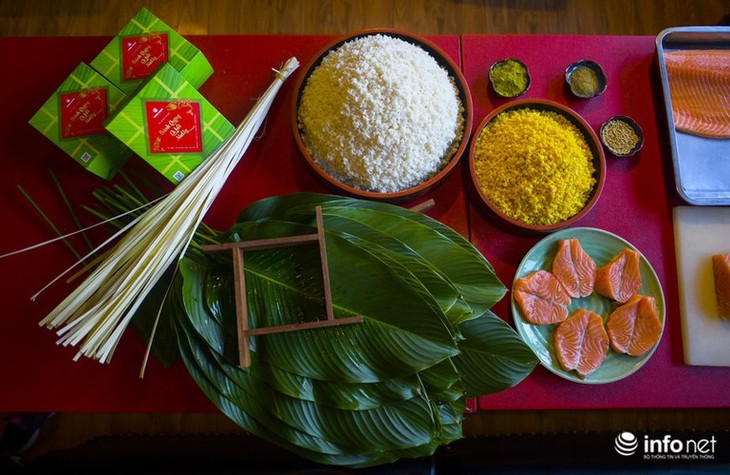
602 246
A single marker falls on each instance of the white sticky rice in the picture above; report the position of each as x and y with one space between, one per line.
380 114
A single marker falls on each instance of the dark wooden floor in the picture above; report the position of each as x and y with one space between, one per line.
200 17
194 17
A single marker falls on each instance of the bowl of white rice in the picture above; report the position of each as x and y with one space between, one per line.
382 114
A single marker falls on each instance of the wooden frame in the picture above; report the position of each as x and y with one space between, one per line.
243 330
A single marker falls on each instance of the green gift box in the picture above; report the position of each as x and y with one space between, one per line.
170 124
73 118
142 46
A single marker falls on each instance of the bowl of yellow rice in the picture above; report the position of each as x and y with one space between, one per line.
537 165
381 114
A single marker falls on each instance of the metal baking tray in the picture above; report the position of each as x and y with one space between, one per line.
701 165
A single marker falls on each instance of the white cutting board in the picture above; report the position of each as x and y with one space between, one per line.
700 232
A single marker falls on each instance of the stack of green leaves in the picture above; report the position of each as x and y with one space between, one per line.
359 395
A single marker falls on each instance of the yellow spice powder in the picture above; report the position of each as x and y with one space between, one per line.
536 166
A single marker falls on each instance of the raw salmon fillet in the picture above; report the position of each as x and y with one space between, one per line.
634 327
581 342
620 279
721 270
542 298
574 268
699 87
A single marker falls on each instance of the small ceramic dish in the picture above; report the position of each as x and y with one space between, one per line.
621 136
509 78
586 79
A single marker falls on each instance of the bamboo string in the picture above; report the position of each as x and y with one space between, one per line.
69 208
148 350
79 231
49 222
97 313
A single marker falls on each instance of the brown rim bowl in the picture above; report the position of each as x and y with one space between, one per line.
593 66
499 63
442 59
599 163
631 123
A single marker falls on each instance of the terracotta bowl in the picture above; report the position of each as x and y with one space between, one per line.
442 59
599 163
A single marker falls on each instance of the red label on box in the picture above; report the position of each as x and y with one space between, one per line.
174 126
83 112
142 54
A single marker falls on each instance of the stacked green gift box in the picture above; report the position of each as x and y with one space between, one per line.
138 95
170 124
141 46
73 118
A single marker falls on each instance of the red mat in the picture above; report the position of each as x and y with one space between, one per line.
636 204
40 376
36 374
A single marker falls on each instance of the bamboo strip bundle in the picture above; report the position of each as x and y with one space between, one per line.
97 313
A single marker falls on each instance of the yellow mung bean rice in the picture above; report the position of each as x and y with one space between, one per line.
535 166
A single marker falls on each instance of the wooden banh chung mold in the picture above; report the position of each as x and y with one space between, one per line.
237 249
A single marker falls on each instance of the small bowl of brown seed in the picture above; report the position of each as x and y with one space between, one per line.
621 136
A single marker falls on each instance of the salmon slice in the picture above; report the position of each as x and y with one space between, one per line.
574 268
721 270
542 298
699 87
620 279
581 342
634 327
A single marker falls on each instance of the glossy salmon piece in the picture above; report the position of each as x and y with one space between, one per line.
542 298
581 342
574 268
721 270
634 327
699 87
620 279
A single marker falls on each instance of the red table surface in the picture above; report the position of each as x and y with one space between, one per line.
36 374
40 376
636 204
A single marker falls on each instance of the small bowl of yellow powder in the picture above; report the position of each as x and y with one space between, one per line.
537 165
509 77
621 136
382 114
586 79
